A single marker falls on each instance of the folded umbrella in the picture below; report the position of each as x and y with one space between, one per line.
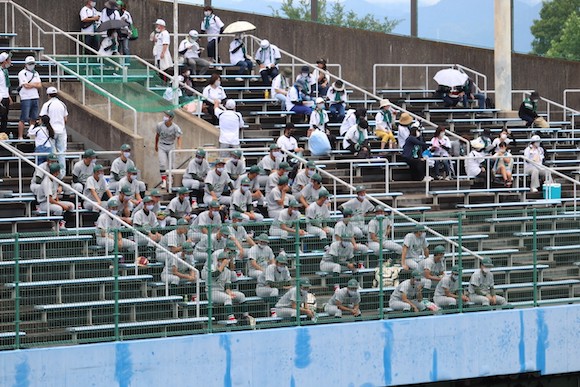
113 24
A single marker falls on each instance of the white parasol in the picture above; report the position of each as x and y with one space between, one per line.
450 77
239 26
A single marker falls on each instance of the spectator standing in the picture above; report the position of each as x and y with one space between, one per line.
528 111
213 95
239 56
124 33
110 44
212 25
337 99
167 138
161 40
29 83
58 113
89 16
319 116
189 48
110 12
230 124
5 99
535 153
267 58
43 135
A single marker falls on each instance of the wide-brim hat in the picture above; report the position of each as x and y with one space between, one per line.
405 119
338 86
477 144
384 102
535 138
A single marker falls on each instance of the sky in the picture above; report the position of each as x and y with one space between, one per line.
468 22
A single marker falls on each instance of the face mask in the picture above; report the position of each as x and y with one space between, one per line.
93 162
101 175
290 211
503 136
220 170
165 119
277 154
218 83
280 269
537 144
361 197
319 106
149 207
163 222
418 133
454 277
127 154
441 135
199 160
485 270
535 100
326 201
114 212
244 188
188 257
261 246
305 74
352 293
207 13
93 3
216 213
310 173
157 29
344 244
29 67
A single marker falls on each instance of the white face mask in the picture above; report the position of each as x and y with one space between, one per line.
30 67
261 246
157 29
216 213
207 13
361 197
114 36
310 173
344 244
290 211
93 3
454 277
165 119
127 154
320 106
352 293
149 207
503 136
244 188
441 135
220 170
537 144
280 269
199 160
101 175
305 74
218 83
485 270
114 212
277 154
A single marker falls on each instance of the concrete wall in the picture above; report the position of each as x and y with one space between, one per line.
356 50
376 353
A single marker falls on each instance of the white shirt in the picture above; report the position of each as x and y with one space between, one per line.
288 143
291 96
192 48
402 135
237 56
230 123
161 39
473 163
85 13
268 56
331 96
348 122
25 76
105 44
353 134
41 135
279 82
115 15
4 92
318 119
57 111
215 25
214 93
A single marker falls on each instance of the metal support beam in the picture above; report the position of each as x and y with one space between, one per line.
414 18
314 10
503 55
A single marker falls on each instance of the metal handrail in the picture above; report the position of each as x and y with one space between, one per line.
475 73
23 158
378 202
565 97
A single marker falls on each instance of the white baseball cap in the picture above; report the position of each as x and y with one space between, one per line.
51 90
4 56
29 59
264 44
319 100
193 33
160 22
230 104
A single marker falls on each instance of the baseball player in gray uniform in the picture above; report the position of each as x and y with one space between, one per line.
235 166
408 295
283 169
446 290
261 255
285 224
173 241
345 300
278 198
146 220
108 230
339 256
360 207
195 174
216 182
415 248
82 169
38 176
131 180
119 168
168 135
432 268
221 292
310 192
481 286
345 227
269 163
303 177
210 219
218 241
374 229
240 233
276 277
176 270
242 202
96 188
180 207
286 306
318 214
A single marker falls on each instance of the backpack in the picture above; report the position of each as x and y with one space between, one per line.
390 274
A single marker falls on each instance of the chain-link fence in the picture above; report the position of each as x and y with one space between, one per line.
205 275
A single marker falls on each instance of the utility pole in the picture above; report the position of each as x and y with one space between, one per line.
314 10
414 18
503 55
207 3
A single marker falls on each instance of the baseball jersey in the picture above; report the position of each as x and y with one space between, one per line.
196 168
301 180
235 168
448 283
406 288
273 197
216 243
415 245
134 184
285 218
168 134
119 167
172 239
218 182
204 220
272 182
177 262
239 232
343 228
105 222
179 208
338 253
48 188
100 187
273 273
317 214
241 202
261 254
291 296
482 281
436 268
254 184
269 164
82 171
309 193
345 297
147 219
374 227
220 281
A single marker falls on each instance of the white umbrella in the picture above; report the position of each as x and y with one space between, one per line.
450 77
239 26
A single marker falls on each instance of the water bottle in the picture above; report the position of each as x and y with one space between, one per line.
11 135
267 94
194 203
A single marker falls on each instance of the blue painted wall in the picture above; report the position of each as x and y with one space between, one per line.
366 354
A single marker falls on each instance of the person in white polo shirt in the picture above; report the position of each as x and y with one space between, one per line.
212 25
5 98
230 124
239 57
58 113
267 58
161 40
287 141
89 16
28 85
189 48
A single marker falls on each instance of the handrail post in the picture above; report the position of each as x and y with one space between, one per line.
116 291
535 255
16 292
299 301
381 260
460 260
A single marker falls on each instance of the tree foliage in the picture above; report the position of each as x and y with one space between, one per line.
549 28
334 13
568 45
